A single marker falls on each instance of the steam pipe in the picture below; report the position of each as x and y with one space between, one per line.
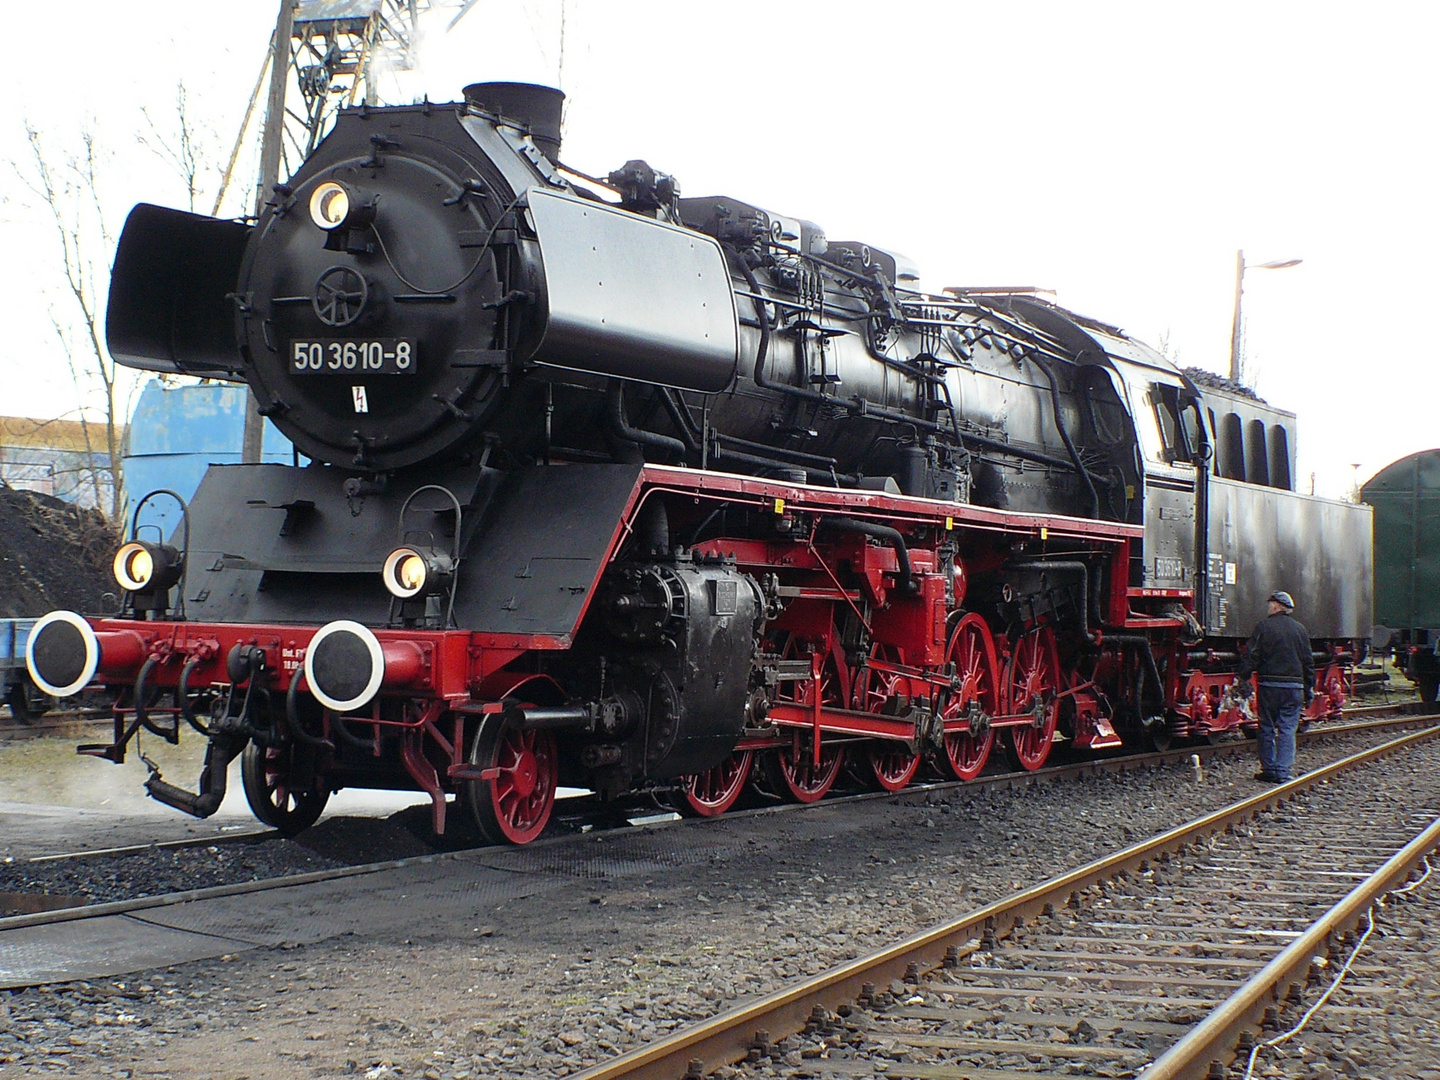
905 580
763 349
621 426
1083 569
1146 654
292 717
681 418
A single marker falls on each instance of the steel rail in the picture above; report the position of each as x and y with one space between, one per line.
1214 1038
1049 774
160 845
727 1038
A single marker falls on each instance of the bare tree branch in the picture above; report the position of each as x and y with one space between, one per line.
184 148
70 193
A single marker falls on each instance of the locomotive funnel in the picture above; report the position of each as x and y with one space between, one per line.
537 107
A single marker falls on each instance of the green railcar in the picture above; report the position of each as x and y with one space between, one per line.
1406 498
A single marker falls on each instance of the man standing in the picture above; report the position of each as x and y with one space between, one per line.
1279 655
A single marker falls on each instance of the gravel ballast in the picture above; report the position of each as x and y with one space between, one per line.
606 955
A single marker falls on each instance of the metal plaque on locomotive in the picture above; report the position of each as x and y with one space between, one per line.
366 356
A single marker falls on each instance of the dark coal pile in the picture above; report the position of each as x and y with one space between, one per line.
337 841
102 879
53 555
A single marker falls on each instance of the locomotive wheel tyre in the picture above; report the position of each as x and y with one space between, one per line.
891 765
711 793
1034 669
515 807
972 651
791 770
1160 738
27 701
264 774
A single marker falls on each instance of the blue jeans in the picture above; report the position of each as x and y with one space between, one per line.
1279 717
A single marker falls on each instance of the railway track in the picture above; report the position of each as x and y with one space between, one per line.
52 724
1163 959
583 813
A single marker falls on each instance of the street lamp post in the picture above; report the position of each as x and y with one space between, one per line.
1240 268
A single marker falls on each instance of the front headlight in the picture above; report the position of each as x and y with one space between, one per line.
330 205
134 566
412 571
404 573
144 567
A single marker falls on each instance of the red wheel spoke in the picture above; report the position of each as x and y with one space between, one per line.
1034 683
972 651
711 793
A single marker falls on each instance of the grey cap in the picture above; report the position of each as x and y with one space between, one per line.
1283 598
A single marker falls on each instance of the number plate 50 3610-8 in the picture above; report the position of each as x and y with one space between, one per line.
366 356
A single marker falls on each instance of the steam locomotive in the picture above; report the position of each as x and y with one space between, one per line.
613 488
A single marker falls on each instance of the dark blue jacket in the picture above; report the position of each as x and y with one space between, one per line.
1279 654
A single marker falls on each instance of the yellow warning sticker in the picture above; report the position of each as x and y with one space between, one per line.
779 506
1044 533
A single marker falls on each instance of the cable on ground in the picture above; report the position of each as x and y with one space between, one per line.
1339 975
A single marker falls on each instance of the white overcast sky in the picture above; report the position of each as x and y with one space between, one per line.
1117 153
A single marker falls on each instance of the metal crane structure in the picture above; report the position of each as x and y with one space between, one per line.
333 53
324 55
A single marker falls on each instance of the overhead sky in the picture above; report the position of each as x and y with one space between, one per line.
1116 153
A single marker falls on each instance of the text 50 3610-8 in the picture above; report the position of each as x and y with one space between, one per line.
372 356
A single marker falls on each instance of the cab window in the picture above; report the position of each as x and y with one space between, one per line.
1179 423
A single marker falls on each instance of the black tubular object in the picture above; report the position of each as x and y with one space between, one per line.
292 717
536 717
182 696
212 781
615 413
142 711
1146 654
763 349
680 416
685 424
1077 566
772 457
1065 433
905 581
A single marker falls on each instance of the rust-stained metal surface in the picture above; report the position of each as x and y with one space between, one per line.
1262 539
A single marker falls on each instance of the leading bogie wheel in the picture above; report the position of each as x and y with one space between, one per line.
711 793
275 796
514 805
972 651
1032 682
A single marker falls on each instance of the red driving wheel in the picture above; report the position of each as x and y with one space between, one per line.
1033 681
711 793
972 651
892 765
791 769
